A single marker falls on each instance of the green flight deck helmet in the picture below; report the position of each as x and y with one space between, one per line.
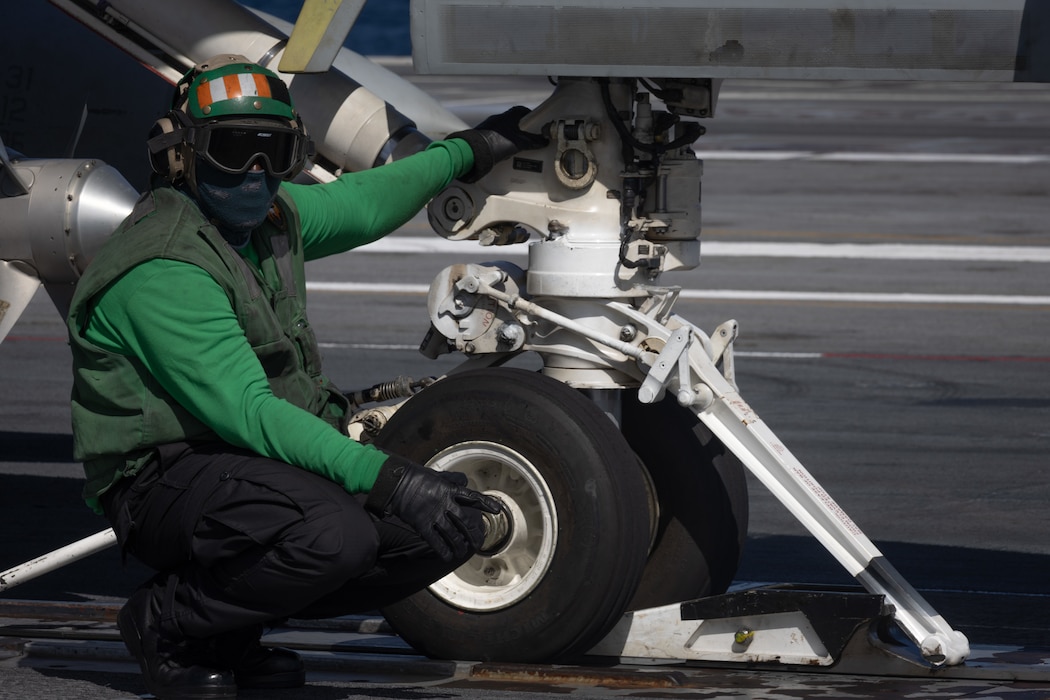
231 113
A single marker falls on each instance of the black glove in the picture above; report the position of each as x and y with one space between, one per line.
437 505
497 138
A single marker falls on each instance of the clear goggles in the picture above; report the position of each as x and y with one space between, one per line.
233 148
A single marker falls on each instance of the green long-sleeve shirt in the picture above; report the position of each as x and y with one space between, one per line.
178 321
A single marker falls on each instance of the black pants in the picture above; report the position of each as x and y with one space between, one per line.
240 541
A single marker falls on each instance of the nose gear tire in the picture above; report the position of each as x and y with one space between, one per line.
578 500
702 490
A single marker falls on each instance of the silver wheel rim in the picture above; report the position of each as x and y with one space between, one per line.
506 576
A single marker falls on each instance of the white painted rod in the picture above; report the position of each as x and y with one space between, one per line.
57 559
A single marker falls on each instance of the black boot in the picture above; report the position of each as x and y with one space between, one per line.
169 667
269 667
258 666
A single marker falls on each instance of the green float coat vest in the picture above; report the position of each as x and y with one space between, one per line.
119 411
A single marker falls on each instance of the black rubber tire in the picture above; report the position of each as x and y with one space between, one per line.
602 507
702 490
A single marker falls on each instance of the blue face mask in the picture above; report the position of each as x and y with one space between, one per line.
236 203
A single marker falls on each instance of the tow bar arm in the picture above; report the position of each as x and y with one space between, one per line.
720 407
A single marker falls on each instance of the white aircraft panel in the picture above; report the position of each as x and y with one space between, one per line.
985 40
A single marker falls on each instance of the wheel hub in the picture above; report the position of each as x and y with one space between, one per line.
520 541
